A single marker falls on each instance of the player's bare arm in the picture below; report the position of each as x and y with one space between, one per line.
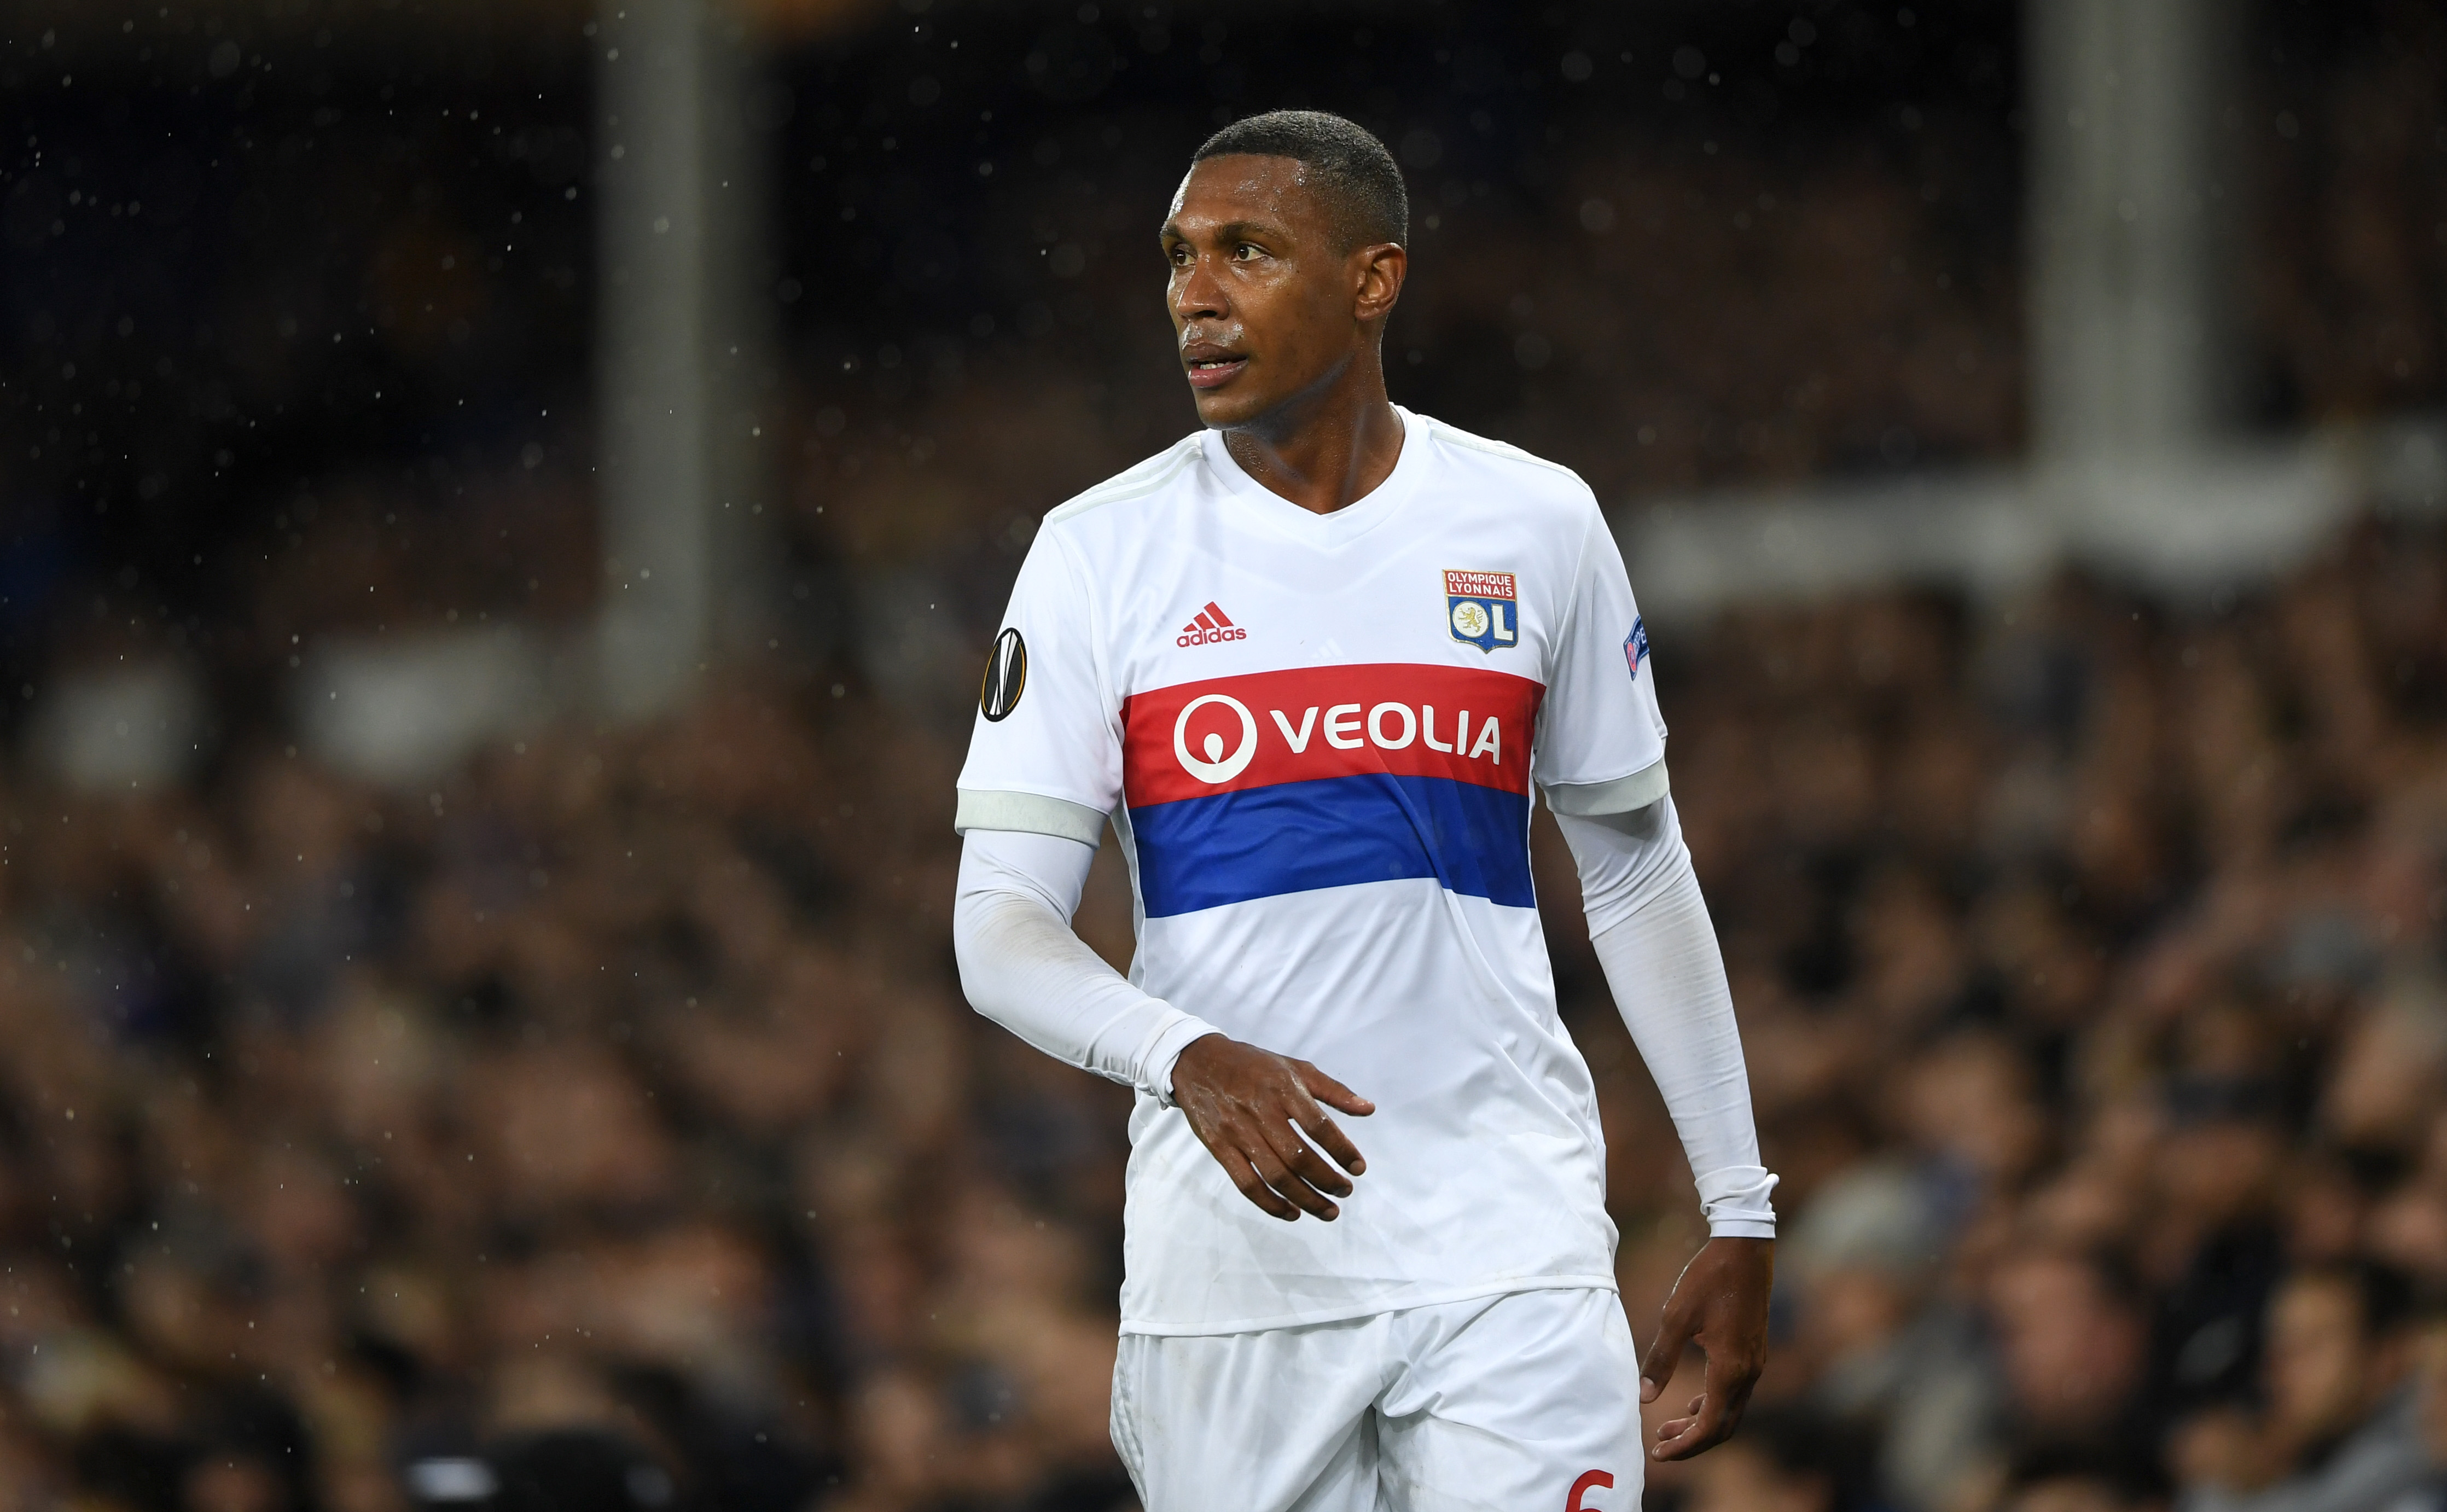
1719 1304
1250 1108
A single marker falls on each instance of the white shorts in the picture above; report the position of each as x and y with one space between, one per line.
1528 1402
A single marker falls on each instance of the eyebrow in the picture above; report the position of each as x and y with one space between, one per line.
1266 229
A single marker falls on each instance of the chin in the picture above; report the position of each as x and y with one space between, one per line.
1221 409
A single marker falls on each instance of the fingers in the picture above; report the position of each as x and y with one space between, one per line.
1665 1354
1333 1094
1330 1138
1304 1163
1328 1134
1707 1426
1250 1108
1280 1177
1261 1158
1252 1187
1674 1429
1732 1369
1721 1304
1715 1412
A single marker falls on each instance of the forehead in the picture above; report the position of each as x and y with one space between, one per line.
1238 188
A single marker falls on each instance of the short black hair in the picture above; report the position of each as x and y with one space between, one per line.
1361 176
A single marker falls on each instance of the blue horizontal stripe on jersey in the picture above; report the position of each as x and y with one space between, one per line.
1332 832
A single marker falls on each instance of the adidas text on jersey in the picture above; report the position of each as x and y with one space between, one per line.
1211 627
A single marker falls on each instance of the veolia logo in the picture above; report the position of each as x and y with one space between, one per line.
1217 767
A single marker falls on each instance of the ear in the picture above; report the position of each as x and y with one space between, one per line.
1378 273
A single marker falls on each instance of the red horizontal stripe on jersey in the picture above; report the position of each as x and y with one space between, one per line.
1192 741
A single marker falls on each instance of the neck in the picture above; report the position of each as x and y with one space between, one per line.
1330 445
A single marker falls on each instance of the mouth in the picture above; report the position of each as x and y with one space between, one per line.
1211 365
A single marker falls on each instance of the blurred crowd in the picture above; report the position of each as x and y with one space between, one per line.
612 1098
613 1087
1670 280
2089 955
2344 280
603 1115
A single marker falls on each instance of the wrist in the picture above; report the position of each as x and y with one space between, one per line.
1750 1230
1738 1201
1163 1057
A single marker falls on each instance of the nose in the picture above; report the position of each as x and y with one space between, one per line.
1197 292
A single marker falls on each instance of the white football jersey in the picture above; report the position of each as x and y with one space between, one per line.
1315 737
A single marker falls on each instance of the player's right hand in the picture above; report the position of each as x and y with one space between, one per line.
1250 1107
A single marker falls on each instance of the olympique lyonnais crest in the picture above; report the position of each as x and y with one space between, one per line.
1482 609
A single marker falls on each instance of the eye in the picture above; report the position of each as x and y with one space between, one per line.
1246 251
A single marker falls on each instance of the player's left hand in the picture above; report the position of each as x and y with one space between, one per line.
1719 1303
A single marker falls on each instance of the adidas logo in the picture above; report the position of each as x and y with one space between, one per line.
1211 625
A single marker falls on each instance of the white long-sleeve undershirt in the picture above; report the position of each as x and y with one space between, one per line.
1022 966
1650 929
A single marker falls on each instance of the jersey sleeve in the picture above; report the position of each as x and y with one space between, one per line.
1045 754
1601 738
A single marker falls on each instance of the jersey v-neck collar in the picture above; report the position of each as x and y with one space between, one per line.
1343 525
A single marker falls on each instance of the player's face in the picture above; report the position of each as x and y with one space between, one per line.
1267 302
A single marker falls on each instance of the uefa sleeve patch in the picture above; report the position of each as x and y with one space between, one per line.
1635 646
1006 677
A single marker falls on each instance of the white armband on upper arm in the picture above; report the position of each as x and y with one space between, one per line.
1027 813
1624 795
